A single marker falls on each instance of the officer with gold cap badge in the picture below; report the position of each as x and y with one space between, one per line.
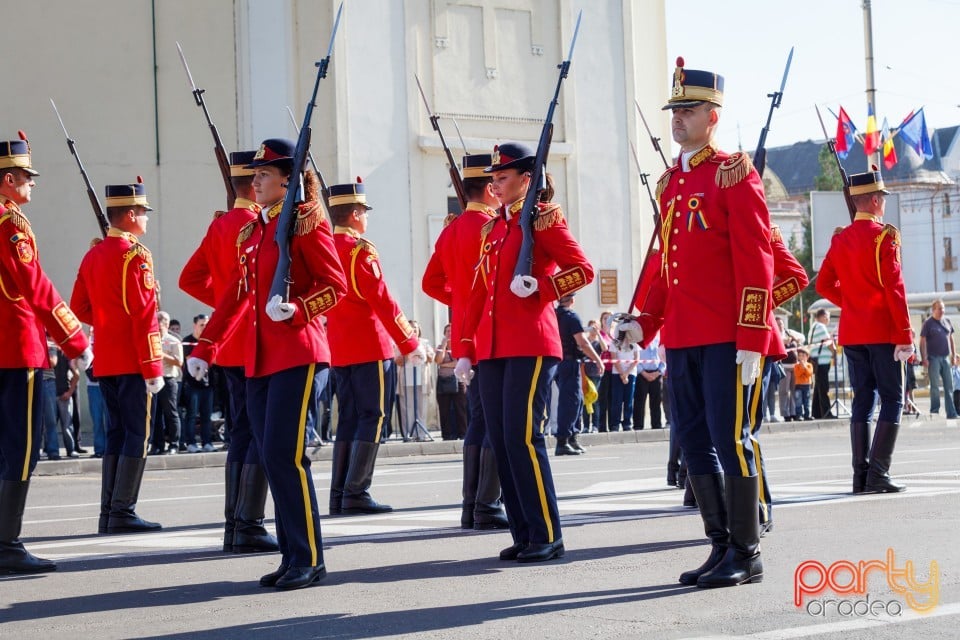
510 328
286 349
29 303
115 292
208 274
862 274
363 329
712 289
448 279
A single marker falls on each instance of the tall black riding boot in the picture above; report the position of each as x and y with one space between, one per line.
689 497
881 454
338 475
356 494
488 512
13 557
250 536
741 563
107 479
231 486
709 491
471 478
860 446
126 489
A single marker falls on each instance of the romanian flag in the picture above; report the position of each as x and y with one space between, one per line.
845 134
871 139
889 151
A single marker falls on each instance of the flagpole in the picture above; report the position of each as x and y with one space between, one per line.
874 158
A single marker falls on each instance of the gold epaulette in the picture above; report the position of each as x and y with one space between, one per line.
487 228
139 251
365 245
663 181
837 230
775 234
309 216
450 218
734 169
245 232
549 215
892 231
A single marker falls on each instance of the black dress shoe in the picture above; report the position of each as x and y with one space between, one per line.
81 450
511 552
537 552
270 580
300 577
565 449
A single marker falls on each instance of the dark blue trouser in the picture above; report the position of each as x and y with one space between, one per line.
199 401
365 392
873 369
277 408
711 407
243 448
514 392
128 405
476 426
20 420
569 398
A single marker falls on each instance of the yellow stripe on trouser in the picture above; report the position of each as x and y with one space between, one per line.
298 463
754 402
528 439
383 409
146 427
31 380
738 424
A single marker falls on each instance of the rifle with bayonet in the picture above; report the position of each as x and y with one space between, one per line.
91 193
832 144
288 214
218 149
760 155
538 175
323 183
455 176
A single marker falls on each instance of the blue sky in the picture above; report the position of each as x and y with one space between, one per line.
748 41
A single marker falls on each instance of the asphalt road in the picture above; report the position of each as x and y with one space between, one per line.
414 573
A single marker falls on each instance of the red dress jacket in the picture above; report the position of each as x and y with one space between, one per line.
29 303
115 292
789 276
452 267
212 269
861 274
498 324
318 284
713 277
368 321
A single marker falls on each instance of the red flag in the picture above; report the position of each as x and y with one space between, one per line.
871 139
845 133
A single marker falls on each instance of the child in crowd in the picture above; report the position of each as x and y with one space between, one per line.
803 377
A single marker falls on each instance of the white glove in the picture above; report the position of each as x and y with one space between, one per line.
631 331
903 352
463 370
197 368
523 286
278 310
85 359
154 385
750 366
417 357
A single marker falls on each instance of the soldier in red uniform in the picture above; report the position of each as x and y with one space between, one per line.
115 291
861 274
29 304
209 272
449 279
286 345
714 221
510 328
363 329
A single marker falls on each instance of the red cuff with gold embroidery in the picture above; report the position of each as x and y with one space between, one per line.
784 291
753 308
318 303
569 280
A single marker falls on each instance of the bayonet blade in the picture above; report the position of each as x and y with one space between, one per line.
57 111
786 71
296 127
576 31
333 34
460 135
423 95
186 67
822 126
636 158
